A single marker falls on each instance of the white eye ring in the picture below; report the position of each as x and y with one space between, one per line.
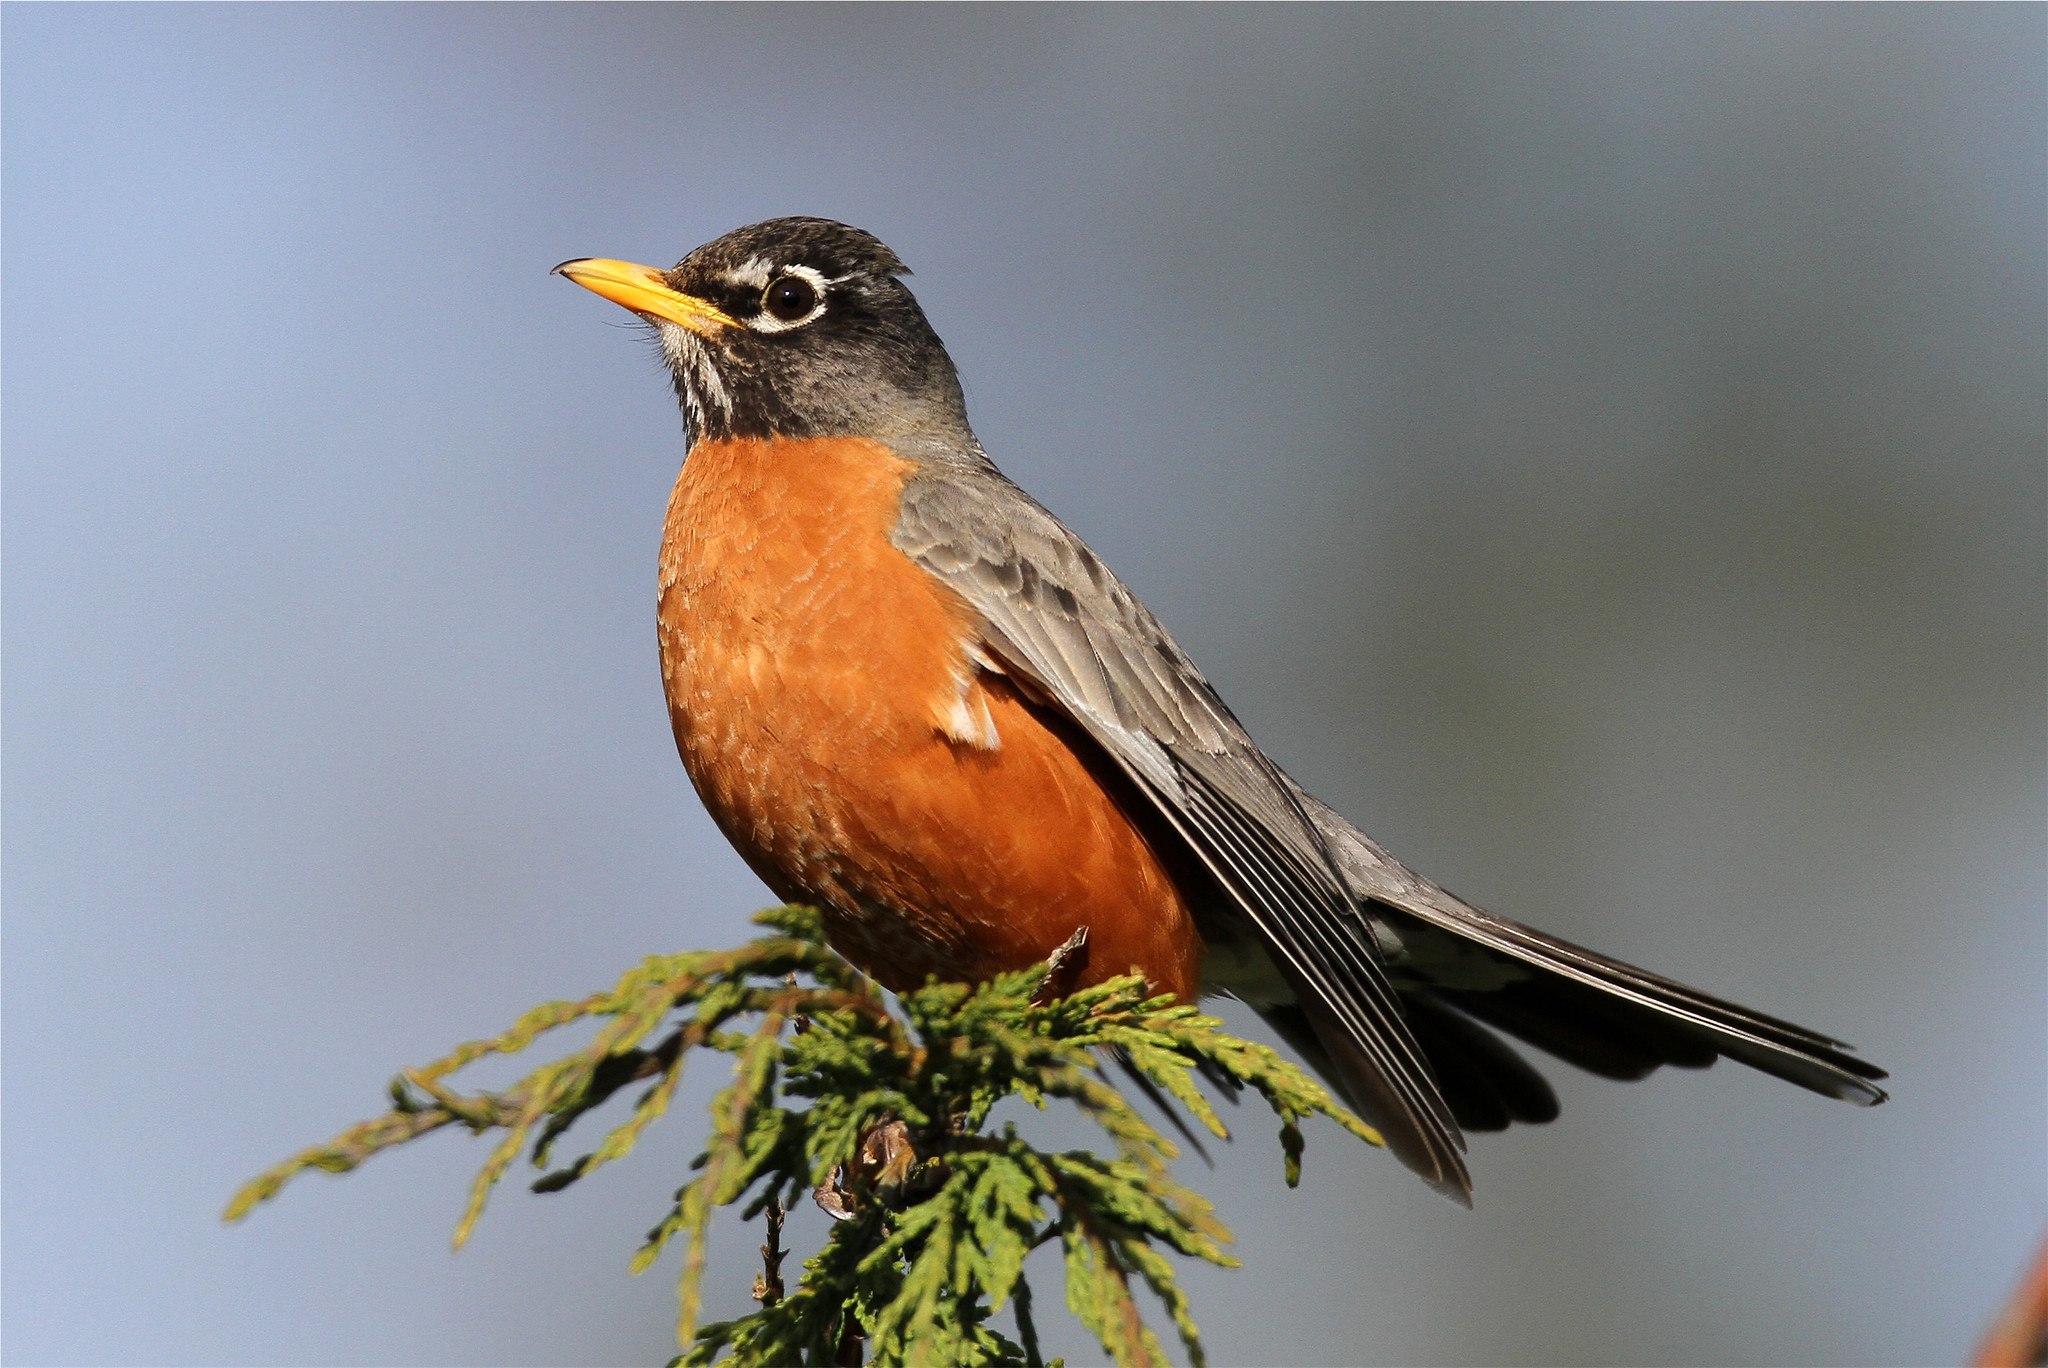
765 322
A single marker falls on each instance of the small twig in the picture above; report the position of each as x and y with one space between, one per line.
768 1288
2019 1337
1027 1325
1063 968
799 1023
847 1350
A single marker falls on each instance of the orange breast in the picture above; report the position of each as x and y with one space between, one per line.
809 666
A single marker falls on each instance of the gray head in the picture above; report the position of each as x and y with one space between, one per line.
796 327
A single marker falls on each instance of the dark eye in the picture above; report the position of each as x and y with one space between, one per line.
790 298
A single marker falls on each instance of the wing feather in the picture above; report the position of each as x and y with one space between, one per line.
1057 619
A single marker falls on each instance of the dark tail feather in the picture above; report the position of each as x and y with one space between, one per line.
1622 1022
1168 1108
1488 1085
1583 1026
1320 1052
1597 1012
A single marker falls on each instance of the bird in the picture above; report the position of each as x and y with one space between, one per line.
912 697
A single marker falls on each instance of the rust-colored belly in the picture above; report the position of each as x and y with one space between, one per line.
807 662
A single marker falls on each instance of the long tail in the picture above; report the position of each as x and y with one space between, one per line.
1465 965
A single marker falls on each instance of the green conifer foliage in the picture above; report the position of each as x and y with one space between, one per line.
877 1107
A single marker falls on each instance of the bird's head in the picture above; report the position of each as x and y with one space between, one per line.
796 327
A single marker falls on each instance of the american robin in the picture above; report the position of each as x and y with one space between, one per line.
909 695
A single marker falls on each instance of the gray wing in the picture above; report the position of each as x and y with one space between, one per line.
1061 622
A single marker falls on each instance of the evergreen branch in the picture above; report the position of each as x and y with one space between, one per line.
879 1107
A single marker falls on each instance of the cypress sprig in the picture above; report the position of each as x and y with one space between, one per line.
878 1107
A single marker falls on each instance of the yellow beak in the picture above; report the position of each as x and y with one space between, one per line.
643 290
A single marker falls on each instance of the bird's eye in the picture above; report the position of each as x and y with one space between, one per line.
790 298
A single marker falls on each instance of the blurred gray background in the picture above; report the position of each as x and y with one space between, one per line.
1599 449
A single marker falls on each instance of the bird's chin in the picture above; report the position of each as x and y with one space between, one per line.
707 403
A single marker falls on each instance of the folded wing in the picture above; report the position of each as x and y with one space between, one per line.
1059 621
